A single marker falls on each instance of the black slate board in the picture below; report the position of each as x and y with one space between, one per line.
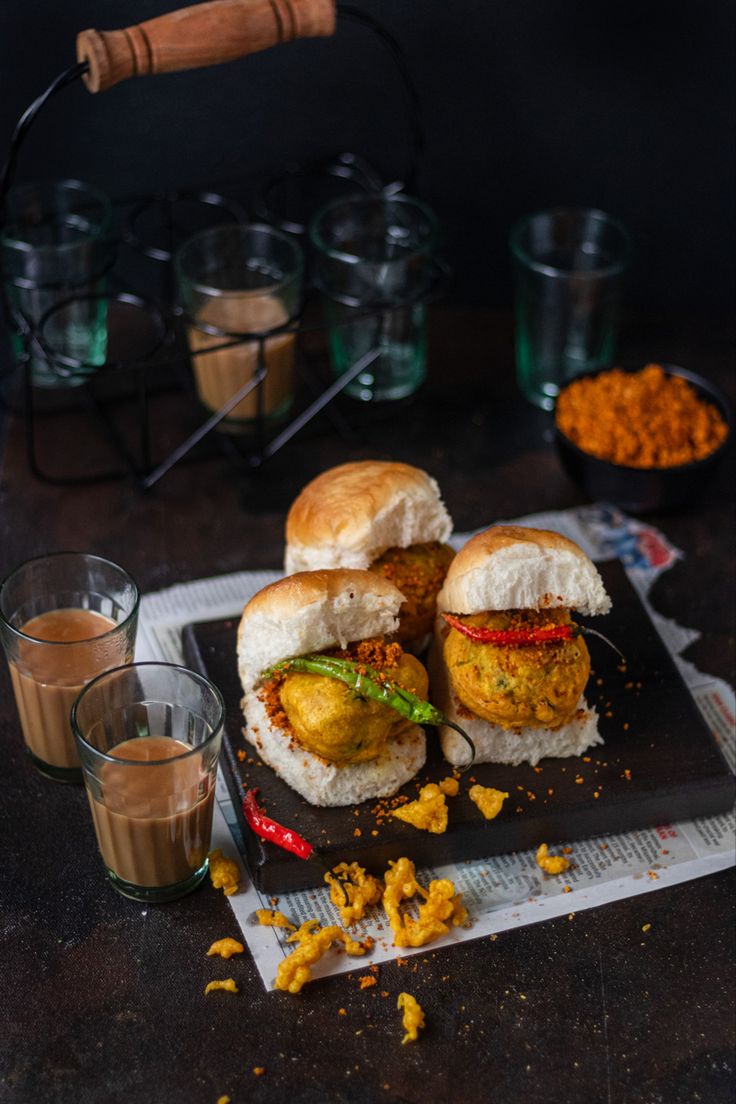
664 766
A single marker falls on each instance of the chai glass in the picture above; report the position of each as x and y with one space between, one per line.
149 738
241 289
64 619
373 259
568 273
56 245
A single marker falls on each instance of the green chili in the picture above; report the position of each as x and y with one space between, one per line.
372 684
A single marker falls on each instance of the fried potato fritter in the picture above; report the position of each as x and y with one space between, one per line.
419 572
535 685
332 720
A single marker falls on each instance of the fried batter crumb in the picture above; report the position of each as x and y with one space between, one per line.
367 981
226 948
259 1071
428 812
313 942
449 786
440 905
551 864
223 1099
228 984
352 890
272 918
488 800
413 1018
224 873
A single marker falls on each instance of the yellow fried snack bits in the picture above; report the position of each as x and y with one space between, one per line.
428 812
551 864
228 984
226 948
449 786
352 890
488 800
313 942
224 873
272 918
440 904
413 1019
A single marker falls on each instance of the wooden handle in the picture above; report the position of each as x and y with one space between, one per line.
205 34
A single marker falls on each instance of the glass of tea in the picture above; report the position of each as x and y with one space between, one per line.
241 287
64 619
149 738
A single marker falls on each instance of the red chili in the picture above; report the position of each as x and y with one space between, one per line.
269 829
512 637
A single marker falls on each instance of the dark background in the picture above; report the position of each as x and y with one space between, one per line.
623 105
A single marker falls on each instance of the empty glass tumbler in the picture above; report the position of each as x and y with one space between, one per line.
55 245
568 268
373 259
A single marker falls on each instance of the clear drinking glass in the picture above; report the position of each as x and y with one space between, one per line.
56 243
149 738
568 268
240 281
373 258
64 619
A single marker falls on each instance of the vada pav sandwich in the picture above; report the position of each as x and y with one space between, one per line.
381 516
328 703
508 661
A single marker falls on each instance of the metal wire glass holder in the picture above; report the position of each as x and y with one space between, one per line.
165 321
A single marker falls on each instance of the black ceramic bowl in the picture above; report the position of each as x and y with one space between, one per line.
647 490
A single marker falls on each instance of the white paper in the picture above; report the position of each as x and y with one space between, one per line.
505 891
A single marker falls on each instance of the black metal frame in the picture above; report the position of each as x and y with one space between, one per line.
168 319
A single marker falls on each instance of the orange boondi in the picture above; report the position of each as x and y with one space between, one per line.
643 419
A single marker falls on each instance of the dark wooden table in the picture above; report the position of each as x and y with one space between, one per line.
103 999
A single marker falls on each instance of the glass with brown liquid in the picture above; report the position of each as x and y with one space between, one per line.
64 619
241 286
149 738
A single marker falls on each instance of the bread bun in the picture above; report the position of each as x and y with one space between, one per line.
495 744
348 516
310 612
511 567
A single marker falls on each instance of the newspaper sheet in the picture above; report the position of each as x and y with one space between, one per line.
505 891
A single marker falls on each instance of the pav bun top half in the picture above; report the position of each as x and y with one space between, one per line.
348 516
512 567
312 611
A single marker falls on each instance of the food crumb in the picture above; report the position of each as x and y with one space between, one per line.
342 1012
413 1018
367 981
645 927
241 756
488 800
226 948
651 874
357 832
550 864
259 1071
228 984
223 1099
224 873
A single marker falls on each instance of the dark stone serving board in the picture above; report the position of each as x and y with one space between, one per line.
665 766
